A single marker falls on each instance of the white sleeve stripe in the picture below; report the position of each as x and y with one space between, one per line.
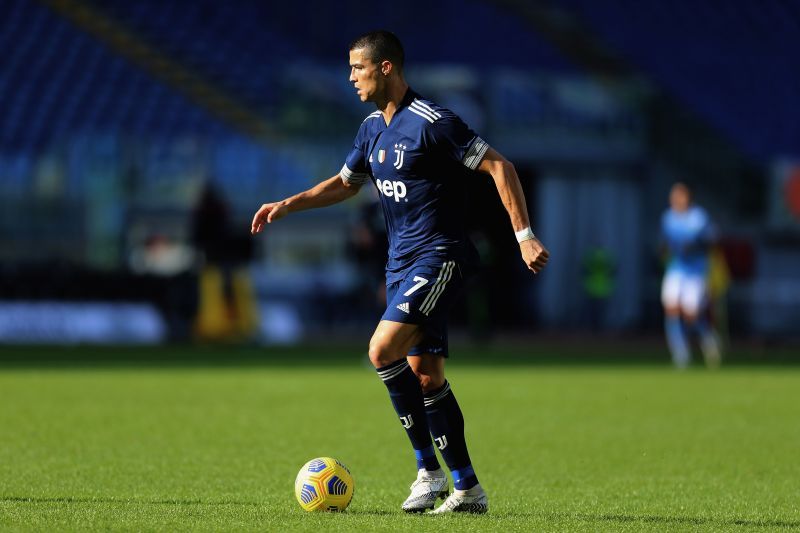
374 114
420 113
422 110
475 153
350 177
426 106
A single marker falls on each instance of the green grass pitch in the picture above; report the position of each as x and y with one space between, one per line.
215 444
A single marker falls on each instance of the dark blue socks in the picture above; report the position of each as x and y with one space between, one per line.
436 414
406 395
447 427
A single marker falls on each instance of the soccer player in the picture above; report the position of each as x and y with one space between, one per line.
418 155
688 235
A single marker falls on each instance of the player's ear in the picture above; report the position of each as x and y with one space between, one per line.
386 67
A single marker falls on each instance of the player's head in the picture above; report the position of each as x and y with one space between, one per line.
680 196
376 59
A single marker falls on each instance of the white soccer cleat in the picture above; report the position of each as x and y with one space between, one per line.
473 500
425 490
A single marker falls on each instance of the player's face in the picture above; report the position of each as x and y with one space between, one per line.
366 76
679 198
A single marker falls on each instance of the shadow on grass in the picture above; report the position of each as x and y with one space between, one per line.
134 501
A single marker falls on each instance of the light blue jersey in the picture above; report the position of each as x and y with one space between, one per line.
688 236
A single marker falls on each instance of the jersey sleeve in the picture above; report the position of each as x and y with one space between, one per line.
708 231
354 171
456 140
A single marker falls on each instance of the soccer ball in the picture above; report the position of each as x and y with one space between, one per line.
324 484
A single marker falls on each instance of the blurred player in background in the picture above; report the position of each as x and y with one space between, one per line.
418 155
227 309
366 245
689 236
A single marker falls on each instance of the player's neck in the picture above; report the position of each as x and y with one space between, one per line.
393 98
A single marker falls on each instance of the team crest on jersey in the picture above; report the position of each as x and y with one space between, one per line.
381 156
399 149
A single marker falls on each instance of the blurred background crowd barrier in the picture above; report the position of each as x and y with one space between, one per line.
138 138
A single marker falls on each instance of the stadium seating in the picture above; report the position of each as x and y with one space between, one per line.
727 61
62 85
59 81
267 36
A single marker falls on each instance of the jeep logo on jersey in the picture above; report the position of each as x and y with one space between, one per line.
392 189
399 149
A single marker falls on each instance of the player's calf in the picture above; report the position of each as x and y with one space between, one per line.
406 395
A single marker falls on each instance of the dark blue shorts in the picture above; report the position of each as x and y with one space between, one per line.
424 296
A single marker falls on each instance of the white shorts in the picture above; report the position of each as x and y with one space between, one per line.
685 291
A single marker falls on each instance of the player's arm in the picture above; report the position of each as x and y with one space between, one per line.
507 182
704 241
329 192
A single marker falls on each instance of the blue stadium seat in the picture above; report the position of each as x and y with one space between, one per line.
57 79
728 61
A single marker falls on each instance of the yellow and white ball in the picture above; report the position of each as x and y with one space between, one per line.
324 484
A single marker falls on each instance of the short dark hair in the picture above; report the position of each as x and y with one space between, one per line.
380 45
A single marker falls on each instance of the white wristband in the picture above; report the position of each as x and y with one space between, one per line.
525 234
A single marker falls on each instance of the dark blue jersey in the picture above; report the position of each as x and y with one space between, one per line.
418 164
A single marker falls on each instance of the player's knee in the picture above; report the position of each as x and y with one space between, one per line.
690 317
672 311
382 354
428 382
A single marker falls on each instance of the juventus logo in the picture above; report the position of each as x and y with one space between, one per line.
399 149
441 442
407 421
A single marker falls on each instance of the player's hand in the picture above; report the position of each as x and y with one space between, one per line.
534 254
267 214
